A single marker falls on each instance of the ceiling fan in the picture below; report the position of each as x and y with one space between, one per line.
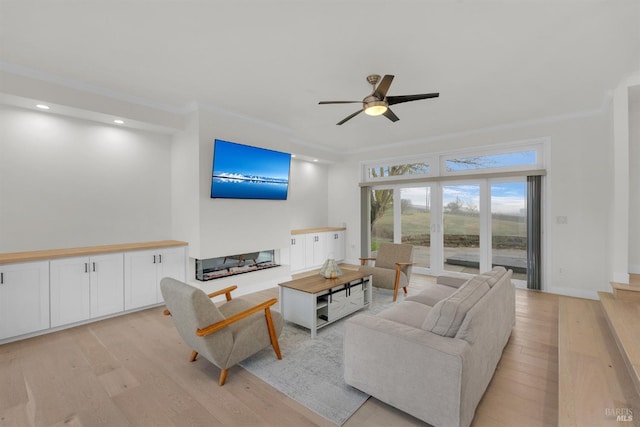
378 102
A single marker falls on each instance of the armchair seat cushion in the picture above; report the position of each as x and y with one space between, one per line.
250 332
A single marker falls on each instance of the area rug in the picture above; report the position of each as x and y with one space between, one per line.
311 371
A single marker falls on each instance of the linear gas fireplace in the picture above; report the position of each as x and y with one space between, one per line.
230 265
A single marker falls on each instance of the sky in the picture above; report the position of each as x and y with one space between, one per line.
506 197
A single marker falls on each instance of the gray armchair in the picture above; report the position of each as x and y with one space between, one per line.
224 334
392 267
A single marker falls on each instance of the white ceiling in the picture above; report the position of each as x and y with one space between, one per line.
493 62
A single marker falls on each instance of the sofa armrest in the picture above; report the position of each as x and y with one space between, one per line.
412 369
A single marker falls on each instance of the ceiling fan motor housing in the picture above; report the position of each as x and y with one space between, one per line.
373 79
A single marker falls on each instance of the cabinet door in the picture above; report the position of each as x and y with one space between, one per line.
24 298
140 278
70 291
335 245
297 252
171 263
315 249
107 284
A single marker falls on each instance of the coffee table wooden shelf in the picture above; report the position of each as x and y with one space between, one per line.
314 302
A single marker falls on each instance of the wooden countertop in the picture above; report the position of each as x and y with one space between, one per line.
8 258
317 230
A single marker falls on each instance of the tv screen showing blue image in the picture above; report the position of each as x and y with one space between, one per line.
245 172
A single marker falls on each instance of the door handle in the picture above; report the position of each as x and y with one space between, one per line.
1 278
94 267
160 258
86 267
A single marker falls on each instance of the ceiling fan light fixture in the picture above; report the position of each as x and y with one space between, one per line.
375 108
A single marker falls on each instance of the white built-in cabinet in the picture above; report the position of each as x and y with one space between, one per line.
336 244
86 287
315 249
24 298
297 259
55 288
145 269
310 249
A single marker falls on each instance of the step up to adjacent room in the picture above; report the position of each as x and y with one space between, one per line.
592 381
622 311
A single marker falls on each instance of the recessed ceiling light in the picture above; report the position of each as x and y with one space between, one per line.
118 122
315 160
42 106
293 155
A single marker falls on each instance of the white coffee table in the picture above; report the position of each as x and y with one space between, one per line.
314 302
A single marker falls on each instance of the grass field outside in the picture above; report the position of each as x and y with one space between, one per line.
461 236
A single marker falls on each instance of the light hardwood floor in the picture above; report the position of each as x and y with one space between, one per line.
134 370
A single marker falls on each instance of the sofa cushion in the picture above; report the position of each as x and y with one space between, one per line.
408 313
447 315
494 275
432 295
452 281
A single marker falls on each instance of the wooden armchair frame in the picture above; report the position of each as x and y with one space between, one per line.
214 327
399 267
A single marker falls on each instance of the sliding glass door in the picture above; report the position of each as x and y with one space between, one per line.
415 224
464 227
461 227
509 226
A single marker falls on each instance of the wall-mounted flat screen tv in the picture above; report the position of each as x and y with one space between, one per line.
245 172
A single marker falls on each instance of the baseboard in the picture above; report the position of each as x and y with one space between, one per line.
572 292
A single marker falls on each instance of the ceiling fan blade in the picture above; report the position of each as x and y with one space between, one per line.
383 87
392 100
390 115
350 117
339 102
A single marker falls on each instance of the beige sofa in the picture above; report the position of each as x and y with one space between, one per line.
434 354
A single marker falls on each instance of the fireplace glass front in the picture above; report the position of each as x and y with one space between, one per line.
215 268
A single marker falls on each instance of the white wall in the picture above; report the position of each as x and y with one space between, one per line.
634 182
578 185
236 226
184 183
308 195
66 182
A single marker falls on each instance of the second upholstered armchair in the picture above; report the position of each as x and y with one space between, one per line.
223 334
392 267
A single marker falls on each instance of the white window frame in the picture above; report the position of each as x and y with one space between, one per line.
537 148
430 161
437 161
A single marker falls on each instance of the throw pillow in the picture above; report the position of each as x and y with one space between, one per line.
447 315
494 275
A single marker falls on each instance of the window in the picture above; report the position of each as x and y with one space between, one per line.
494 161
505 158
402 169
